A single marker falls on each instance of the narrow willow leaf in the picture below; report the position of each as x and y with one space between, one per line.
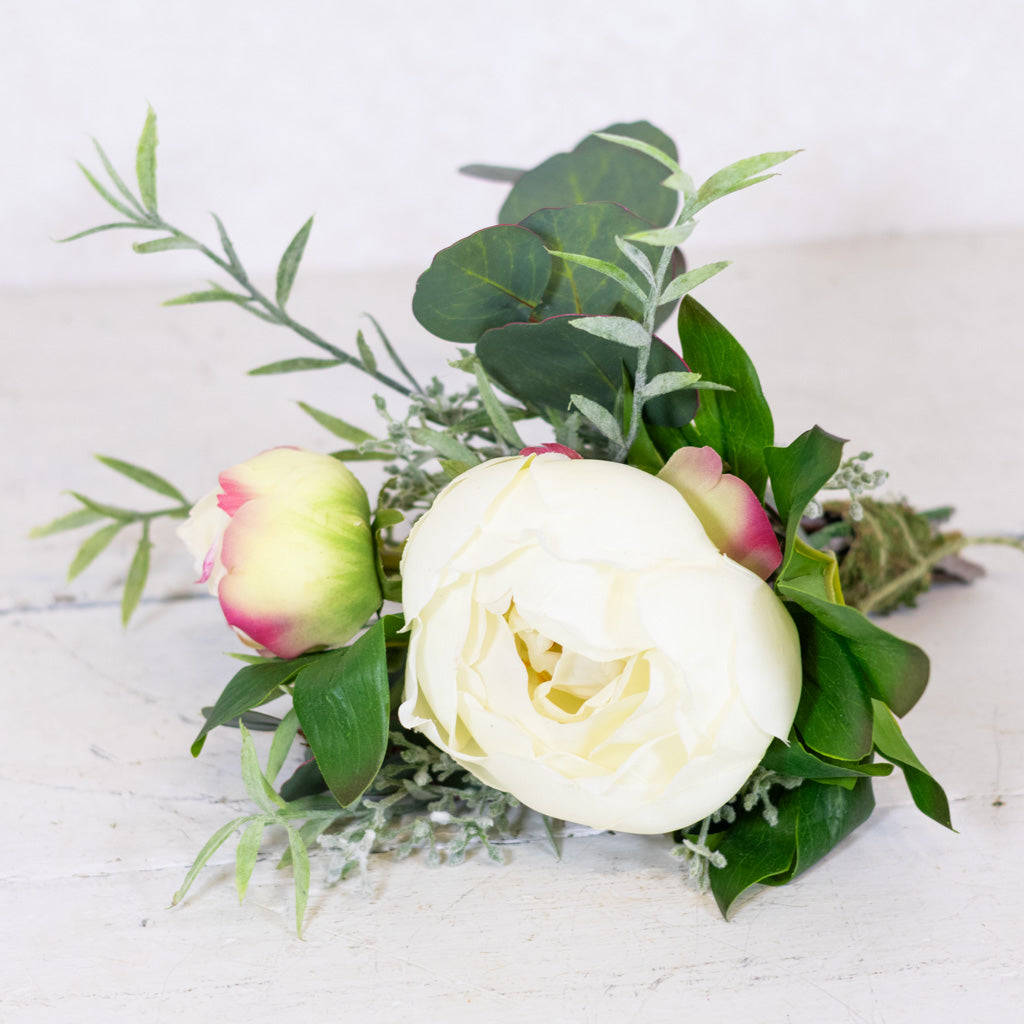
97 230
144 477
116 178
71 521
680 182
617 274
619 329
492 172
215 294
355 455
365 353
684 283
300 871
600 417
665 383
289 265
210 847
637 257
728 178
225 243
443 444
739 186
260 791
245 855
108 511
642 147
284 737
92 547
165 244
393 354
495 410
104 194
145 162
336 426
137 573
294 366
675 235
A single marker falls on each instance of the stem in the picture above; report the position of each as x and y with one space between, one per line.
913 574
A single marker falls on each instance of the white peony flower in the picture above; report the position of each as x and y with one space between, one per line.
578 641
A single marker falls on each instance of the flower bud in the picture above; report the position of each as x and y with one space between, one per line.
285 544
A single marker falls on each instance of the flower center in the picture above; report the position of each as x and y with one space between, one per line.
563 685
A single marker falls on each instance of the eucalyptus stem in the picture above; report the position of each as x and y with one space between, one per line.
910 576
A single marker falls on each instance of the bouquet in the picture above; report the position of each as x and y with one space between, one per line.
592 584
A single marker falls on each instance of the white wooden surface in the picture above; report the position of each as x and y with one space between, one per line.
912 348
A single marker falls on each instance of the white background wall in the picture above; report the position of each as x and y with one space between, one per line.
909 112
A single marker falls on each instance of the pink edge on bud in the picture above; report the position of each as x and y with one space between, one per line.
551 448
727 508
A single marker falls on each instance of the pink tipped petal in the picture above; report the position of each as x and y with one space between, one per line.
726 507
551 448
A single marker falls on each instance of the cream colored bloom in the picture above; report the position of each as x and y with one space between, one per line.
577 641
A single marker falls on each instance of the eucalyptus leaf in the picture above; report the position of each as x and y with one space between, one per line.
735 176
500 420
600 417
544 364
679 286
619 329
674 235
598 170
144 477
494 277
443 444
145 161
666 383
343 703
289 265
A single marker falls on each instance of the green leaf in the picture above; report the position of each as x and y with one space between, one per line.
70 521
138 571
544 364
798 472
455 467
294 366
499 417
215 294
354 455
145 162
604 267
210 847
245 855
676 234
289 265
225 243
300 871
619 329
599 171
365 353
494 277
385 518
890 742
600 417
284 737
666 383
393 354
738 425
679 286
248 688
812 820
165 244
92 547
338 427
306 780
107 511
97 230
116 178
443 444
734 177
492 172
258 788
144 477
106 197
643 147
798 761
343 703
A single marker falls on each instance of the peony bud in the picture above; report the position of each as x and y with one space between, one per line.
285 544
